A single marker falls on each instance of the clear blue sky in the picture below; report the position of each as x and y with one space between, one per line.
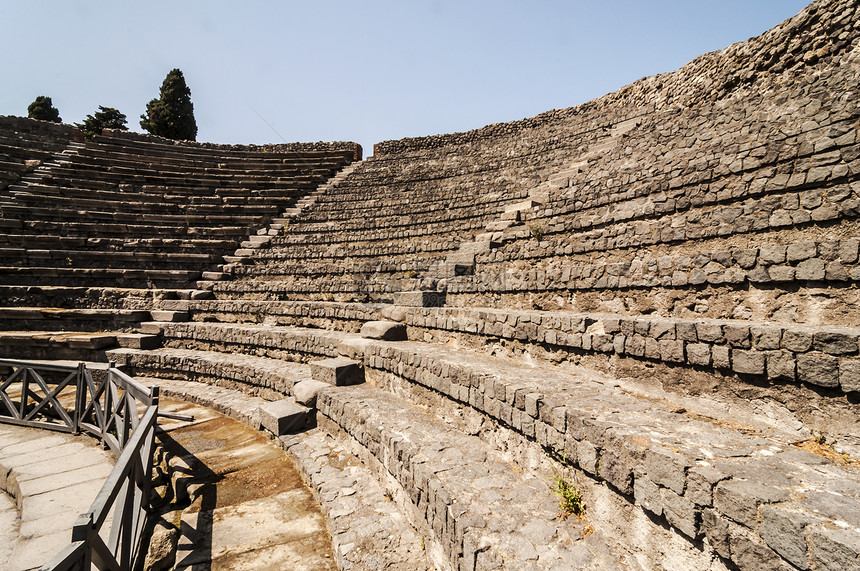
361 71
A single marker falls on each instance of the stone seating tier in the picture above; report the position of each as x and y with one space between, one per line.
445 229
65 258
695 475
57 214
132 231
356 249
95 277
22 318
403 205
169 194
181 178
307 269
94 297
137 143
791 212
37 198
778 362
111 155
109 167
62 242
355 287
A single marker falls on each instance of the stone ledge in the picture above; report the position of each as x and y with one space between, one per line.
824 356
481 511
284 416
271 378
337 371
676 467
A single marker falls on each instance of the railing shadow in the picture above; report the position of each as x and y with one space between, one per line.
195 528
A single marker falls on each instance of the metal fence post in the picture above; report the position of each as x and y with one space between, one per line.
80 397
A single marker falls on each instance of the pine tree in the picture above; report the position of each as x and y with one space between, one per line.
104 118
172 114
43 109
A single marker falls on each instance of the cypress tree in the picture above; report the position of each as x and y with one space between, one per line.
43 109
172 114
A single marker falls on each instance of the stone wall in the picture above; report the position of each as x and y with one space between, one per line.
56 133
355 148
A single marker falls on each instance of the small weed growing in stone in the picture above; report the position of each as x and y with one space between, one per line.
570 500
536 231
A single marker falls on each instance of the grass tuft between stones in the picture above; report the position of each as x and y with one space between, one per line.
570 500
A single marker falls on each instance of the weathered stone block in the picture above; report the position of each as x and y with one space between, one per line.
647 495
420 298
737 336
672 351
781 365
169 316
782 528
781 273
764 337
800 251
836 549
699 354
586 453
681 513
384 330
740 499
709 332
797 340
338 371
849 374
810 270
835 342
716 529
686 331
700 484
652 348
747 362
284 416
138 341
666 468
305 392
818 369
750 552
720 356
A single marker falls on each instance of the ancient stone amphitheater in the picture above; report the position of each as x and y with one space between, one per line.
652 296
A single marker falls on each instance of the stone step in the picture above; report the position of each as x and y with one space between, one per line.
53 478
61 257
95 277
127 230
735 483
284 416
72 297
267 377
57 241
701 476
337 371
483 512
54 345
53 319
370 530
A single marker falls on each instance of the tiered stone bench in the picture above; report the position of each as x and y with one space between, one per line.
652 297
192 203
